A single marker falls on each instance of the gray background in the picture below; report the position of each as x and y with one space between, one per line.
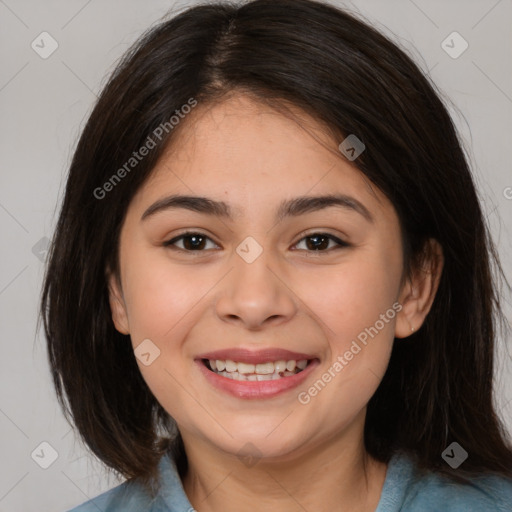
44 103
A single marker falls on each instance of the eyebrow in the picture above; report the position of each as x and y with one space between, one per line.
288 208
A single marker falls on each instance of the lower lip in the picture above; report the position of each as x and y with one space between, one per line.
256 389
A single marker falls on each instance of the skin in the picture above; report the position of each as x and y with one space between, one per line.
308 457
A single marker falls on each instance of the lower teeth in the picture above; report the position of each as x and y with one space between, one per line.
256 376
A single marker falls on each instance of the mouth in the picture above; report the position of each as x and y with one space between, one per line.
269 370
253 374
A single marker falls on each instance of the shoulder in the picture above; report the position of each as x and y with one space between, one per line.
131 496
408 489
483 494
127 497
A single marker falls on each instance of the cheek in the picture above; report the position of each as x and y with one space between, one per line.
164 300
356 309
352 296
356 303
161 294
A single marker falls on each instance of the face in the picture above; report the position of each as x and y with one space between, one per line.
256 317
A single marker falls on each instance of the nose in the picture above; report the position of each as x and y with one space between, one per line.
255 295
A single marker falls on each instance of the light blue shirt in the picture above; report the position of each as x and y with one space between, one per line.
404 490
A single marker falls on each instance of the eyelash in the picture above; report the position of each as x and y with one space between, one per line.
186 234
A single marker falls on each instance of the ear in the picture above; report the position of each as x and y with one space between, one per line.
117 304
419 290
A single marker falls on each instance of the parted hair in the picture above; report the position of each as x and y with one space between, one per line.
334 66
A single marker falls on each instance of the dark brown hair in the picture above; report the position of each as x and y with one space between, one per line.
348 76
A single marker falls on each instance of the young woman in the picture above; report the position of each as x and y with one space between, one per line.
271 286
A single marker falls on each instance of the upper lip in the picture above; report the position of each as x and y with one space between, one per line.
248 356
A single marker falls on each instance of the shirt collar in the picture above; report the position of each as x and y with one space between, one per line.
172 495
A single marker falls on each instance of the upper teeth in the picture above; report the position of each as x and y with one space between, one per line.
260 369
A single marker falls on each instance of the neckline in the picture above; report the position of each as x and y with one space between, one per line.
398 475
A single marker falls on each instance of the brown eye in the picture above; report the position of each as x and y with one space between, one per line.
191 241
320 242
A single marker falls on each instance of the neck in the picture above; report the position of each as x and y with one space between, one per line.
336 474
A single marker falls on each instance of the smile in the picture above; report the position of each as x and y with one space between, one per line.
256 374
270 370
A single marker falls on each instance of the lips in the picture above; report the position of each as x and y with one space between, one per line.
256 374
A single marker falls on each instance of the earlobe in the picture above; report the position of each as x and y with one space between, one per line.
419 291
117 305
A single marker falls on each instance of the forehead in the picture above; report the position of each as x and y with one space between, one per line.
247 153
